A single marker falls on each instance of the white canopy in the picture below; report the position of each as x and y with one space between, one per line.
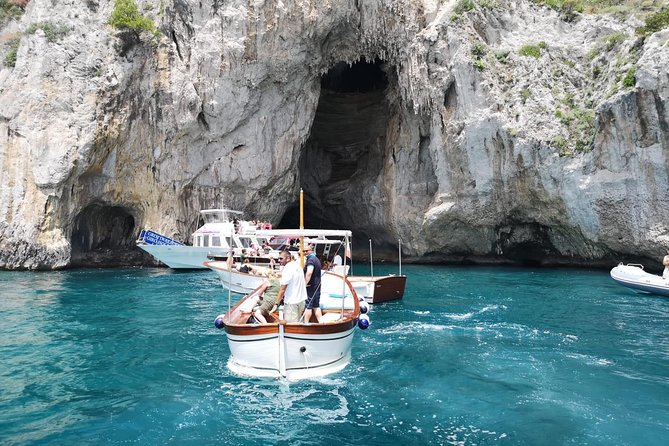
225 211
294 233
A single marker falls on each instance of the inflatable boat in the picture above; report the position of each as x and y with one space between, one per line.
633 276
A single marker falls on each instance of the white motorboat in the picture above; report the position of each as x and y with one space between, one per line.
237 281
244 282
223 232
294 350
633 276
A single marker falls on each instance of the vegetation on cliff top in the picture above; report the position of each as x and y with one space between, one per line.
570 85
619 7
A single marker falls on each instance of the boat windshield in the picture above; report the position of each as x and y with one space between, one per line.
278 242
245 242
214 216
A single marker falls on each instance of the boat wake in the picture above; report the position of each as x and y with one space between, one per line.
459 317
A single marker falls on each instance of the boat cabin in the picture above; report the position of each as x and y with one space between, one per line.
225 229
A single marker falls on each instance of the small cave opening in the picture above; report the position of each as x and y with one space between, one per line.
104 235
345 151
527 244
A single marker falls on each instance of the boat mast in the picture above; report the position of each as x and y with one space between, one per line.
399 248
343 282
301 228
371 262
230 262
282 346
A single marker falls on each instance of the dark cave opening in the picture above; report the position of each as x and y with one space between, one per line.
525 243
346 147
104 235
359 77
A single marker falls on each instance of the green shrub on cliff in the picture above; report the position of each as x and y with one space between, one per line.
10 9
10 57
530 51
655 22
611 40
629 80
52 31
462 7
567 8
126 17
579 123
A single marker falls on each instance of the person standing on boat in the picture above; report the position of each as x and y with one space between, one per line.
312 277
665 262
293 289
337 261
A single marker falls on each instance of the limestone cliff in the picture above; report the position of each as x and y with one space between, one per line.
500 131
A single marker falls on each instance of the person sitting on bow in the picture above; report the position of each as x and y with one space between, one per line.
268 292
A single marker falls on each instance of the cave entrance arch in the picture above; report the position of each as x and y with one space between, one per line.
104 235
345 151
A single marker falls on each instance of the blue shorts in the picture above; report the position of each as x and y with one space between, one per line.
313 301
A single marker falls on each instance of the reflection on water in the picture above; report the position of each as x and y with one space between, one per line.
470 356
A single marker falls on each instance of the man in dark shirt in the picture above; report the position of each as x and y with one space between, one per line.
312 277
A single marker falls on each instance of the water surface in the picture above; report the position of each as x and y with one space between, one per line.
469 356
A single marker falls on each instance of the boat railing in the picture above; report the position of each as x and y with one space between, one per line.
635 264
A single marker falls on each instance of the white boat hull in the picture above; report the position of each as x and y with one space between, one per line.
180 257
242 283
636 278
305 355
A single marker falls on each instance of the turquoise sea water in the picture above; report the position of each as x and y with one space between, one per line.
469 356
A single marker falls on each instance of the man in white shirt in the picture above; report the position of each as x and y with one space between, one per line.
293 288
337 260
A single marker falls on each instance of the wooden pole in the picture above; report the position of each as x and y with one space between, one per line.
301 228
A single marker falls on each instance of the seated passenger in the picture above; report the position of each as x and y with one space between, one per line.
268 292
266 248
245 267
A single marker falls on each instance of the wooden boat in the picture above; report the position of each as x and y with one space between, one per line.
378 289
294 350
633 276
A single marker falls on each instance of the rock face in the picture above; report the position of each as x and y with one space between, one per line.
405 119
